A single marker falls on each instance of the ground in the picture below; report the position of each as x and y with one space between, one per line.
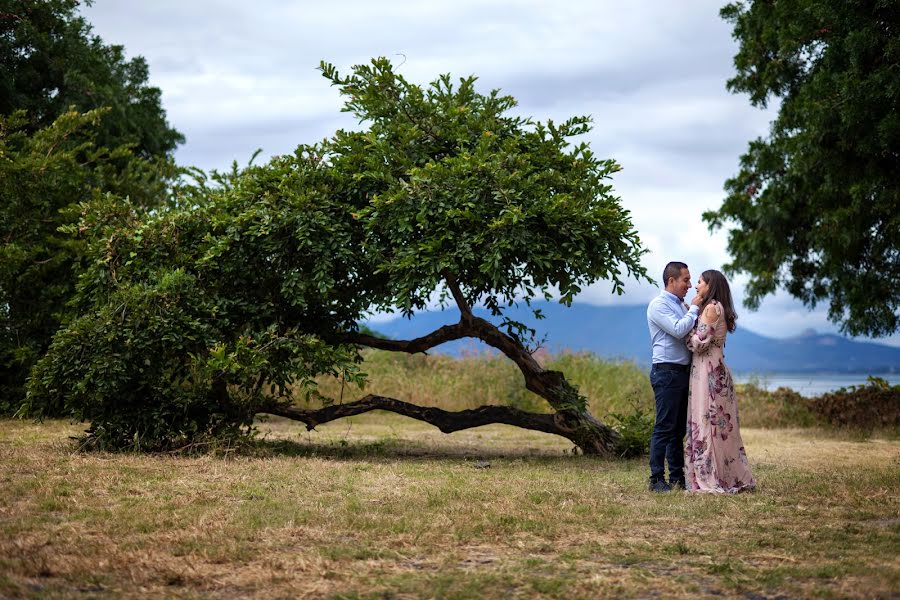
383 507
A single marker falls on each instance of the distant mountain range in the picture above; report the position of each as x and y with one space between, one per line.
620 332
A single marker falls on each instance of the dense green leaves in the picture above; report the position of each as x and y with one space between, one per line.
455 185
51 178
197 317
236 295
817 204
149 369
51 61
82 137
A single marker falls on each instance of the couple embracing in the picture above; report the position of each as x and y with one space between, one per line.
694 389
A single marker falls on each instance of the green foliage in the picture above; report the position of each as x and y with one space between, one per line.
635 429
780 408
276 263
875 405
83 139
455 185
150 368
210 311
817 204
53 178
50 61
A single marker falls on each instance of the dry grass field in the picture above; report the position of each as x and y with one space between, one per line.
384 507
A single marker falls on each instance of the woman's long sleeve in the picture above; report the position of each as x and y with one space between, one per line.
704 334
700 338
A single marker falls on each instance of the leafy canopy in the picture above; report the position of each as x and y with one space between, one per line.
239 294
453 184
53 178
817 204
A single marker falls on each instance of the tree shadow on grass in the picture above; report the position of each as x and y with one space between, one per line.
390 449
384 436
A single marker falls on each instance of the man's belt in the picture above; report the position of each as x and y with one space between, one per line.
672 367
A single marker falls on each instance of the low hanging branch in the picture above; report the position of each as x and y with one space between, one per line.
571 419
446 421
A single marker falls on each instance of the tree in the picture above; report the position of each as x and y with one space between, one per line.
53 178
201 317
77 121
817 204
50 61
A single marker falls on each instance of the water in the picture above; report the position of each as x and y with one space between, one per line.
811 384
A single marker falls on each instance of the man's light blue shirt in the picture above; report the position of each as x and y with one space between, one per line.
670 321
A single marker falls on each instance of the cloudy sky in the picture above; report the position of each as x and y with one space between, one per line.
238 75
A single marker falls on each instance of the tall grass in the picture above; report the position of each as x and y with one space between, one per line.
475 380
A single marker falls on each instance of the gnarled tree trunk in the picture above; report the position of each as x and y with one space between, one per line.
571 420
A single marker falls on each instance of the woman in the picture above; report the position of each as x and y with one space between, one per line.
714 455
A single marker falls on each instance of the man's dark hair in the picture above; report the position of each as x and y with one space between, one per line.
673 269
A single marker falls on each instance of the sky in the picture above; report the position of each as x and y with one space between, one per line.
238 76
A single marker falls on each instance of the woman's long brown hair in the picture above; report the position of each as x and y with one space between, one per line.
717 289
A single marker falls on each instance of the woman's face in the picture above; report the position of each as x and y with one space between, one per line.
702 287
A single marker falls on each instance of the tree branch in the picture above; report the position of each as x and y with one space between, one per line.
572 416
464 307
474 327
446 421
488 333
447 333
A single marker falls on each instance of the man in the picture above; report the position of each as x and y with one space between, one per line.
670 320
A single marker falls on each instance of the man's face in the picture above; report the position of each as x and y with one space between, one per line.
680 285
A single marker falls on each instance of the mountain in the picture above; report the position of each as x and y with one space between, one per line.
620 332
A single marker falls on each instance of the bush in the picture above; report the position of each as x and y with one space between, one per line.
635 429
874 405
783 407
154 369
118 373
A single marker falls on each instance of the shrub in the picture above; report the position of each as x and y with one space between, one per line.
874 405
783 407
635 429
154 370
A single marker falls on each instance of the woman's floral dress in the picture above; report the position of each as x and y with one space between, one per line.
714 456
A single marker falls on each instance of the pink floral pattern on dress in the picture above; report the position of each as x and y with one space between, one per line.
721 422
715 458
696 446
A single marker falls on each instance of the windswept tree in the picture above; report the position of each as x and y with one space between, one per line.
202 317
816 205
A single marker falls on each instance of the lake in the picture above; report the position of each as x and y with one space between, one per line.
811 384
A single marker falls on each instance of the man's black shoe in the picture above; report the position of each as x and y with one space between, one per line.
678 484
660 486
